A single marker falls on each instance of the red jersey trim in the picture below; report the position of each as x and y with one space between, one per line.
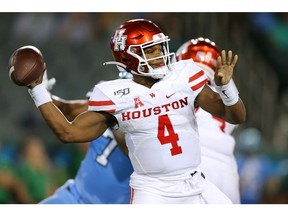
199 85
131 195
196 76
105 105
109 111
100 103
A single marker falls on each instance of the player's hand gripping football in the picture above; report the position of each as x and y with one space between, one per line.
225 67
39 80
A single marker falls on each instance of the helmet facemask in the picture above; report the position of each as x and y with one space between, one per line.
144 69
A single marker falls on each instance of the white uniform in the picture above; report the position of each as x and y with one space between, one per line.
217 148
161 134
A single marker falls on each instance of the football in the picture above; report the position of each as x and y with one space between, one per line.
26 65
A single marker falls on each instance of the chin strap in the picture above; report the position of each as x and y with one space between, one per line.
118 64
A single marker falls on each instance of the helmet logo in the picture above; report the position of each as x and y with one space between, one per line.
205 57
119 40
158 36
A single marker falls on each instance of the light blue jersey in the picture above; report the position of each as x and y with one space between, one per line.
102 178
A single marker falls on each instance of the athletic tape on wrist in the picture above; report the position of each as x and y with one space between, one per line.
40 95
228 93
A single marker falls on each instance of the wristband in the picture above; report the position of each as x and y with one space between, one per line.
228 93
40 95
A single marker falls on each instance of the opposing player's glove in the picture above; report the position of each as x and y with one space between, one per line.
88 94
49 83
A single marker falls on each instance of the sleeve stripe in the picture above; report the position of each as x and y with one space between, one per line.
101 103
197 80
106 106
199 85
196 76
109 111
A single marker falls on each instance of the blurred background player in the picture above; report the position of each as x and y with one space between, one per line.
217 143
104 173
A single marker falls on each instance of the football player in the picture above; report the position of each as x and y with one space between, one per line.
217 142
155 110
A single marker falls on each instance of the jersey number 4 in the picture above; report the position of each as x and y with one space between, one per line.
164 124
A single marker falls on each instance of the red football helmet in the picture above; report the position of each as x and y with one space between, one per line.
128 44
204 53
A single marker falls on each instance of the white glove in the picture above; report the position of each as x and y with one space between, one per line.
88 94
48 83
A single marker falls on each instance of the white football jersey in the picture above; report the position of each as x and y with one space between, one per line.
215 133
159 122
217 153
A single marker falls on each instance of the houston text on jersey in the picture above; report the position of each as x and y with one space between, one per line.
155 110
